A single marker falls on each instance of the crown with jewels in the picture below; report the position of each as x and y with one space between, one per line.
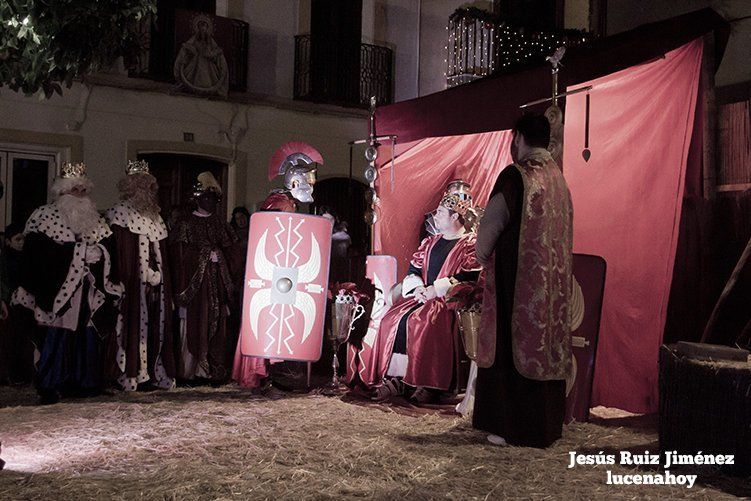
70 170
459 187
137 167
455 203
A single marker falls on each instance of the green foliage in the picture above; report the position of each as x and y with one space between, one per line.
46 43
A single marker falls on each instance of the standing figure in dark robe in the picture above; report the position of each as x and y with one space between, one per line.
525 244
66 282
340 245
19 348
5 333
239 222
140 237
201 243
417 343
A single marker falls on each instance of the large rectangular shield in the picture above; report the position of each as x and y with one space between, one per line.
286 279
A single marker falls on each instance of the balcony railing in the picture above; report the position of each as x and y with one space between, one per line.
480 44
376 70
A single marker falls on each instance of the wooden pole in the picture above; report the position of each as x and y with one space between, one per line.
709 118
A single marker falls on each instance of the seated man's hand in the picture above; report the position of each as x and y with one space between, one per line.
425 294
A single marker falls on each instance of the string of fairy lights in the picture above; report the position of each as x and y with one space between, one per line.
479 44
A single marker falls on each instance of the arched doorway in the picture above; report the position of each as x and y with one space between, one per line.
347 197
176 175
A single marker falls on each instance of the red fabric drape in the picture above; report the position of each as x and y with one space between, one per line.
492 103
627 206
421 173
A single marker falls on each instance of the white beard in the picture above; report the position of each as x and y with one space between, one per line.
79 212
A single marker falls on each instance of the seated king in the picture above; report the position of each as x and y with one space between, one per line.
417 346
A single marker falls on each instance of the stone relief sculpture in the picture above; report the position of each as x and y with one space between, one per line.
200 66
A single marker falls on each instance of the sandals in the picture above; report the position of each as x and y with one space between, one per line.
392 387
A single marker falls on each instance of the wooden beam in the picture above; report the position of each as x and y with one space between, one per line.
709 118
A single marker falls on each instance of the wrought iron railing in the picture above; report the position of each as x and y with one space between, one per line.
376 75
480 43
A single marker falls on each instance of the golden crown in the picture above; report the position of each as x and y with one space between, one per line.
70 170
455 203
459 187
137 167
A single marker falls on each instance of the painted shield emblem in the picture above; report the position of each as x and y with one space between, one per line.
285 286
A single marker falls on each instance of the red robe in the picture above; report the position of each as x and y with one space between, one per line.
433 346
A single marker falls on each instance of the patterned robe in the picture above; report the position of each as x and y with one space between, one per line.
524 350
201 248
142 264
74 302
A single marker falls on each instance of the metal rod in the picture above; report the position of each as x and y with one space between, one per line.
562 94
377 138
393 155
586 126
349 185
555 85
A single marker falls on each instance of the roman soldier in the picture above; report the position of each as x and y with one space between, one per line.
297 163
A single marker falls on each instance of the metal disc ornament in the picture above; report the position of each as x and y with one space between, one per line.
371 174
370 216
371 153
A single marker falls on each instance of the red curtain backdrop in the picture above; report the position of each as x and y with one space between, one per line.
627 203
627 208
421 173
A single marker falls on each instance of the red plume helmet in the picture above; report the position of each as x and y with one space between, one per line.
289 153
